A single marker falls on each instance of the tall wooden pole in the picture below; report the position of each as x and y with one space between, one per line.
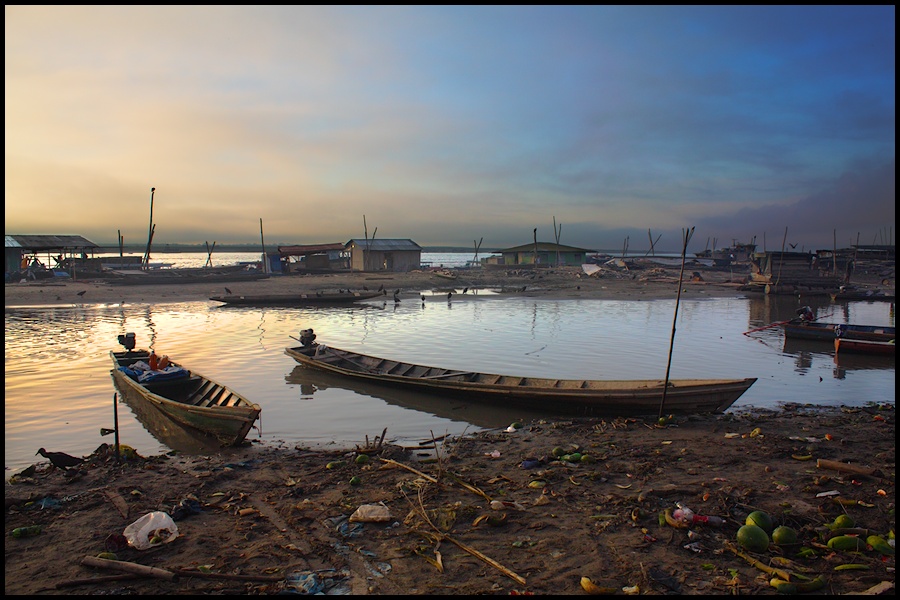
263 240
687 238
150 232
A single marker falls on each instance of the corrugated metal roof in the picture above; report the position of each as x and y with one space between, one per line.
50 242
385 245
11 242
309 249
545 247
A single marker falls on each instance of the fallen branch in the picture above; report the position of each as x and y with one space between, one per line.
408 468
759 565
130 567
847 468
443 536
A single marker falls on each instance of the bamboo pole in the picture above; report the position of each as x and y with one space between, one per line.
150 233
263 241
686 235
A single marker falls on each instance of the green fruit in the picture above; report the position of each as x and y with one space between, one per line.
362 459
574 457
558 451
847 543
516 425
335 464
844 522
355 480
761 520
662 421
108 556
753 538
880 545
587 458
784 535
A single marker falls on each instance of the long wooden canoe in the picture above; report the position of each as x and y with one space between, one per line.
868 295
550 396
842 345
296 299
185 396
826 332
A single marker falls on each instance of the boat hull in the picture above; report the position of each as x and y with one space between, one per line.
195 401
549 396
844 345
295 299
826 332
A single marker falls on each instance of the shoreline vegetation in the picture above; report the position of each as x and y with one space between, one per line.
497 512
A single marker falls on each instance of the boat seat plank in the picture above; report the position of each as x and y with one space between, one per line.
450 374
198 396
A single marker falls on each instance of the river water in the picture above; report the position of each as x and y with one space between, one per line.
59 393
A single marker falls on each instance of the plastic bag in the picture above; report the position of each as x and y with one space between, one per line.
371 513
151 530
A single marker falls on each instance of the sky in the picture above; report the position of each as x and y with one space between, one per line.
452 125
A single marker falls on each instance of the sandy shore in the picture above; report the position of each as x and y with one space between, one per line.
564 282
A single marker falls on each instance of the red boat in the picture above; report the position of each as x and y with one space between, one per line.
863 346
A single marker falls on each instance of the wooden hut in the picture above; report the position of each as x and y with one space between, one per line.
544 254
314 258
397 256
49 253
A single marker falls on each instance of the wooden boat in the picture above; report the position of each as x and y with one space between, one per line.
296 299
863 346
826 332
870 295
185 396
553 396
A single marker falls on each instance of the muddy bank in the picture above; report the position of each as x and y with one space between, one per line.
275 519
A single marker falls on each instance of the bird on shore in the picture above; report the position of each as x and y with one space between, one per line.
396 298
227 291
423 298
81 293
465 290
449 295
381 288
60 460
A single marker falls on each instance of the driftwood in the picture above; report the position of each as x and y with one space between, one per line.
129 567
847 468
194 573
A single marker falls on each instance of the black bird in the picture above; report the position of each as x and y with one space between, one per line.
449 295
397 291
58 298
365 287
423 298
381 288
523 288
227 291
81 293
792 245
60 459
396 299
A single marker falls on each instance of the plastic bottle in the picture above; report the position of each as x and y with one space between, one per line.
22 532
686 515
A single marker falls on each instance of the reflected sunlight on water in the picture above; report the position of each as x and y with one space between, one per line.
59 392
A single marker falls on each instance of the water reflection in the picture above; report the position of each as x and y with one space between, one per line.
312 381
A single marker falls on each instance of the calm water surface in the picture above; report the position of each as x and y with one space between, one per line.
59 392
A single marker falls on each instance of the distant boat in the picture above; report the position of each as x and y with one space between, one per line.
873 295
842 345
550 396
826 332
347 297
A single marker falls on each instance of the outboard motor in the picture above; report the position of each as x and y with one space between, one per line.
307 338
127 340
